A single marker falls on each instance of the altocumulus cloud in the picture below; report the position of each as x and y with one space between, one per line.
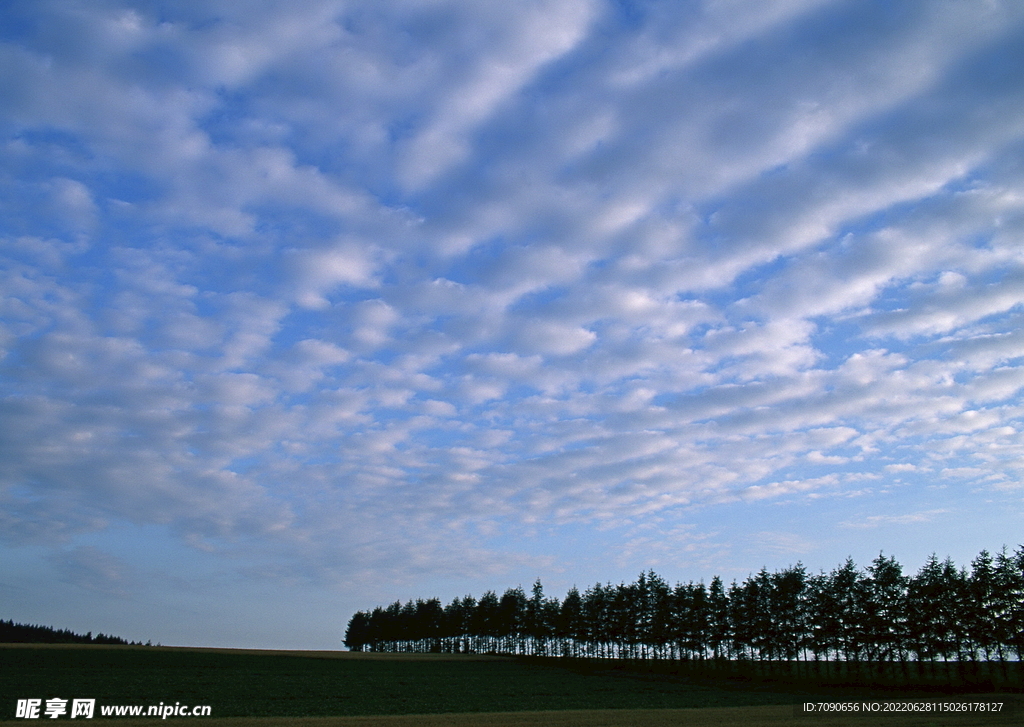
400 292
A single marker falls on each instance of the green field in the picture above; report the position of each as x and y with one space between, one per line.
250 685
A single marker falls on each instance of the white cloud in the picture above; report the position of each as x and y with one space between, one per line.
782 542
874 521
368 287
319 272
508 44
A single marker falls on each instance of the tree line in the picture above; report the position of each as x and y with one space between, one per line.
15 633
878 614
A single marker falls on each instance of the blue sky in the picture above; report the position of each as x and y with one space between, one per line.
309 307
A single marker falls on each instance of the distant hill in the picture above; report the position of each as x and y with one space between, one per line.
12 633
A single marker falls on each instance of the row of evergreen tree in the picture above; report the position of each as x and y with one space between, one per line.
876 614
14 633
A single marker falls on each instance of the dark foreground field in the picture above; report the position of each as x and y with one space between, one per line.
339 688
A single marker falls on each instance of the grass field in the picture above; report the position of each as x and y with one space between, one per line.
324 689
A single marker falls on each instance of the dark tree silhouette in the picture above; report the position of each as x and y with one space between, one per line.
875 616
884 598
17 633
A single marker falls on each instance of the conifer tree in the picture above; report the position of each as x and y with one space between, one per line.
845 592
719 627
788 610
924 613
982 611
570 628
487 624
885 624
1010 586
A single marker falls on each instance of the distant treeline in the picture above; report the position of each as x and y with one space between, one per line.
12 633
943 613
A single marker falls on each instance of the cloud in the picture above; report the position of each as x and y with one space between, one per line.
318 272
356 288
874 521
509 45
91 568
789 543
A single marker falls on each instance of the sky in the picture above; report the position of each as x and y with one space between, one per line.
309 307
